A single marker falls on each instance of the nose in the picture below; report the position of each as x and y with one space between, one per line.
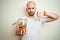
30 9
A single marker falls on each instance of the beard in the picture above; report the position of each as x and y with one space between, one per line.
31 13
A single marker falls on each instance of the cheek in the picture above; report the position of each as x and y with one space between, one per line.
34 10
28 10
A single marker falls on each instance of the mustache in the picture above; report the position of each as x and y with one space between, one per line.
31 13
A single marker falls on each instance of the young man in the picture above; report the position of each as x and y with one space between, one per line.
34 23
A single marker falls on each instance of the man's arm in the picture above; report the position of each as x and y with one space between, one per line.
51 17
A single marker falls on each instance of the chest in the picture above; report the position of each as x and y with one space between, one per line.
33 26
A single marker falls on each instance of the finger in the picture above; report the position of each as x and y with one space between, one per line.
24 31
21 32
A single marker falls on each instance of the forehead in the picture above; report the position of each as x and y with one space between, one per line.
29 5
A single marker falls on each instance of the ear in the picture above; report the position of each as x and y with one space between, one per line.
35 8
26 9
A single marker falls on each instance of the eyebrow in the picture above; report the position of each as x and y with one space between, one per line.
30 8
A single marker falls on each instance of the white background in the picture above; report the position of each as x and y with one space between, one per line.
11 10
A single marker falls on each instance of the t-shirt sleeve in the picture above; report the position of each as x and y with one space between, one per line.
43 19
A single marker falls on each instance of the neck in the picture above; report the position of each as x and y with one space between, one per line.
30 16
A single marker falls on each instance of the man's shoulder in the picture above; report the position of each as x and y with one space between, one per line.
22 18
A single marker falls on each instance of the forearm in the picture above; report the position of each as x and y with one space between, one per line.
52 15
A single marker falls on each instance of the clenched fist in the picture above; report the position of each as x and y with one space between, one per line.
41 14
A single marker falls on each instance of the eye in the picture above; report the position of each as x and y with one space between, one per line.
29 8
32 8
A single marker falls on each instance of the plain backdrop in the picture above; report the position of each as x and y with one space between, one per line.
12 10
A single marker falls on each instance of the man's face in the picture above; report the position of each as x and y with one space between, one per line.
31 8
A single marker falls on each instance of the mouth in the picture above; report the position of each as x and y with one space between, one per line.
31 14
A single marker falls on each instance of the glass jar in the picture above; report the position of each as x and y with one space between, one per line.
22 27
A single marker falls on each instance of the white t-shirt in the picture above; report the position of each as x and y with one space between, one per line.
33 28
